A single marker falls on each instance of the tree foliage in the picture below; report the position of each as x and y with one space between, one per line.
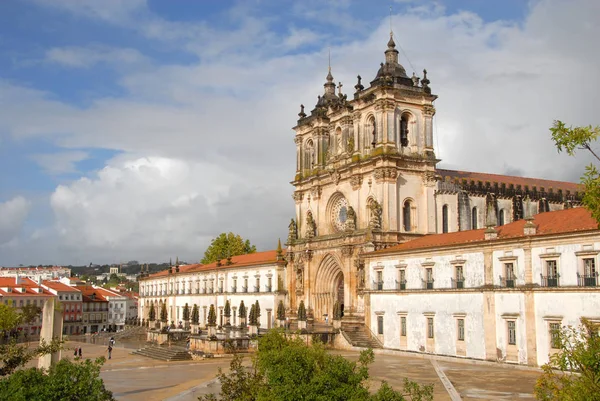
227 309
163 312
186 312
302 312
280 311
242 313
226 245
212 316
195 315
252 315
257 313
573 373
152 313
13 355
287 369
64 381
571 139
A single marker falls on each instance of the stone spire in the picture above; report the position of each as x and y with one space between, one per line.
329 85
391 54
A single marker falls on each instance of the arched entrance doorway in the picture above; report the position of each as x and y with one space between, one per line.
329 288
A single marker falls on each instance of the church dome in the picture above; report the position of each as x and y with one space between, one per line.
391 71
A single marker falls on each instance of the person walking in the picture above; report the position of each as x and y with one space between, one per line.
79 352
109 351
75 353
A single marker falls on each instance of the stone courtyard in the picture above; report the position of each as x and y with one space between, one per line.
132 377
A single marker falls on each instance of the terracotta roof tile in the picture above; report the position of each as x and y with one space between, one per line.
509 179
58 286
557 222
251 259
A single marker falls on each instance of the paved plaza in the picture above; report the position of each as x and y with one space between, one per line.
133 377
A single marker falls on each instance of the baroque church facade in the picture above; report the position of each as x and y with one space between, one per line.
367 179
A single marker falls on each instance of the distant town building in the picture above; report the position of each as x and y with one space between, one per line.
95 309
71 303
36 273
19 292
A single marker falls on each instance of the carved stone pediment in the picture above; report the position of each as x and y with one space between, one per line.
356 181
385 174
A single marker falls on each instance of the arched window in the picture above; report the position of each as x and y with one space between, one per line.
404 130
474 225
501 217
309 155
406 215
445 218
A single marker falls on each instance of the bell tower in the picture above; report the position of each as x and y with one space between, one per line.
365 180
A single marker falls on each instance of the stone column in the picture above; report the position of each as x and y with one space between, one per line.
428 113
298 142
52 326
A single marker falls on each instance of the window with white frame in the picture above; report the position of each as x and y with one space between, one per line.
554 334
380 325
403 326
430 328
511 327
460 328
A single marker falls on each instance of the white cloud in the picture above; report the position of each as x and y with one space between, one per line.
162 206
85 57
61 162
13 214
219 130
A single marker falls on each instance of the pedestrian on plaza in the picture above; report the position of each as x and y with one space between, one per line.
109 351
79 352
75 353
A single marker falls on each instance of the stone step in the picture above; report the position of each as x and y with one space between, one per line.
164 353
359 335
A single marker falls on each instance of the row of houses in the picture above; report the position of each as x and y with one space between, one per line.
86 308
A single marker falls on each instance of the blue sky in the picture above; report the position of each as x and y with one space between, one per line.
141 129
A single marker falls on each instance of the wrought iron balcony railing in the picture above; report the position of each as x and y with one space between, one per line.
550 281
587 280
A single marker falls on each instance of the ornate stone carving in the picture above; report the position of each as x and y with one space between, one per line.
311 226
298 140
350 219
350 145
385 174
316 192
360 273
300 278
335 176
376 211
428 110
347 250
356 181
297 196
429 179
292 231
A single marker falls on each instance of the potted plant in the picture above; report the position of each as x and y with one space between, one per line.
227 314
301 316
281 314
242 315
186 316
212 321
195 319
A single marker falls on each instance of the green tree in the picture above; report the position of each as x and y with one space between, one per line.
64 381
186 312
163 312
227 309
287 369
195 315
579 353
152 313
252 315
280 311
226 245
257 312
571 139
302 311
13 355
212 316
242 313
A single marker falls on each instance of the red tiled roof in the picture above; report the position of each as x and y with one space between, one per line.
26 283
87 291
58 286
509 179
557 222
251 259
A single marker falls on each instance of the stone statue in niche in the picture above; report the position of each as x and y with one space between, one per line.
300 278
376 211
311 226
292 231
350 219
350 145
360 274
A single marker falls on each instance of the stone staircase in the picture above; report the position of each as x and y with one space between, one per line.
164 353
359 335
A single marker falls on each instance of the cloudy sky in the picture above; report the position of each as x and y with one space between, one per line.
140 129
